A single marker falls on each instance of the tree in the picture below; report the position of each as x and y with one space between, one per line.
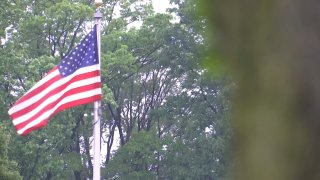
198 142
137 159
45 32
159 102
8 168
155 76
271 50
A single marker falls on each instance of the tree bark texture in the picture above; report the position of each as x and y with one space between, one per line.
272 49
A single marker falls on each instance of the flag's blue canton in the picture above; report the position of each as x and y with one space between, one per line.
85 54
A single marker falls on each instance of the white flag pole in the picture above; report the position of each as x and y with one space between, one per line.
97 104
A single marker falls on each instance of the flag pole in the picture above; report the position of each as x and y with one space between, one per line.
97 104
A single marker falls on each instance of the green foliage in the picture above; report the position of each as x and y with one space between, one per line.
137 159
51 151
170 117
120 62
198 141
8 168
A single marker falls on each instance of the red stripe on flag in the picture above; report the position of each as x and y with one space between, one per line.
53 104
64 106
51 93
34 92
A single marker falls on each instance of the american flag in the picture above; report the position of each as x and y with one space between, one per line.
74 81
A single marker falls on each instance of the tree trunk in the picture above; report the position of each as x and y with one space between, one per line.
272 49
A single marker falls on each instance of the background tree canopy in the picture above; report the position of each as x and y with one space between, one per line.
164 115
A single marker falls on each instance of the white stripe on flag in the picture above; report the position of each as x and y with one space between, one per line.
35 98
64 101
54 98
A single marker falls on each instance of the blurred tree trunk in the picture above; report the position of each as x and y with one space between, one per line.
272 49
